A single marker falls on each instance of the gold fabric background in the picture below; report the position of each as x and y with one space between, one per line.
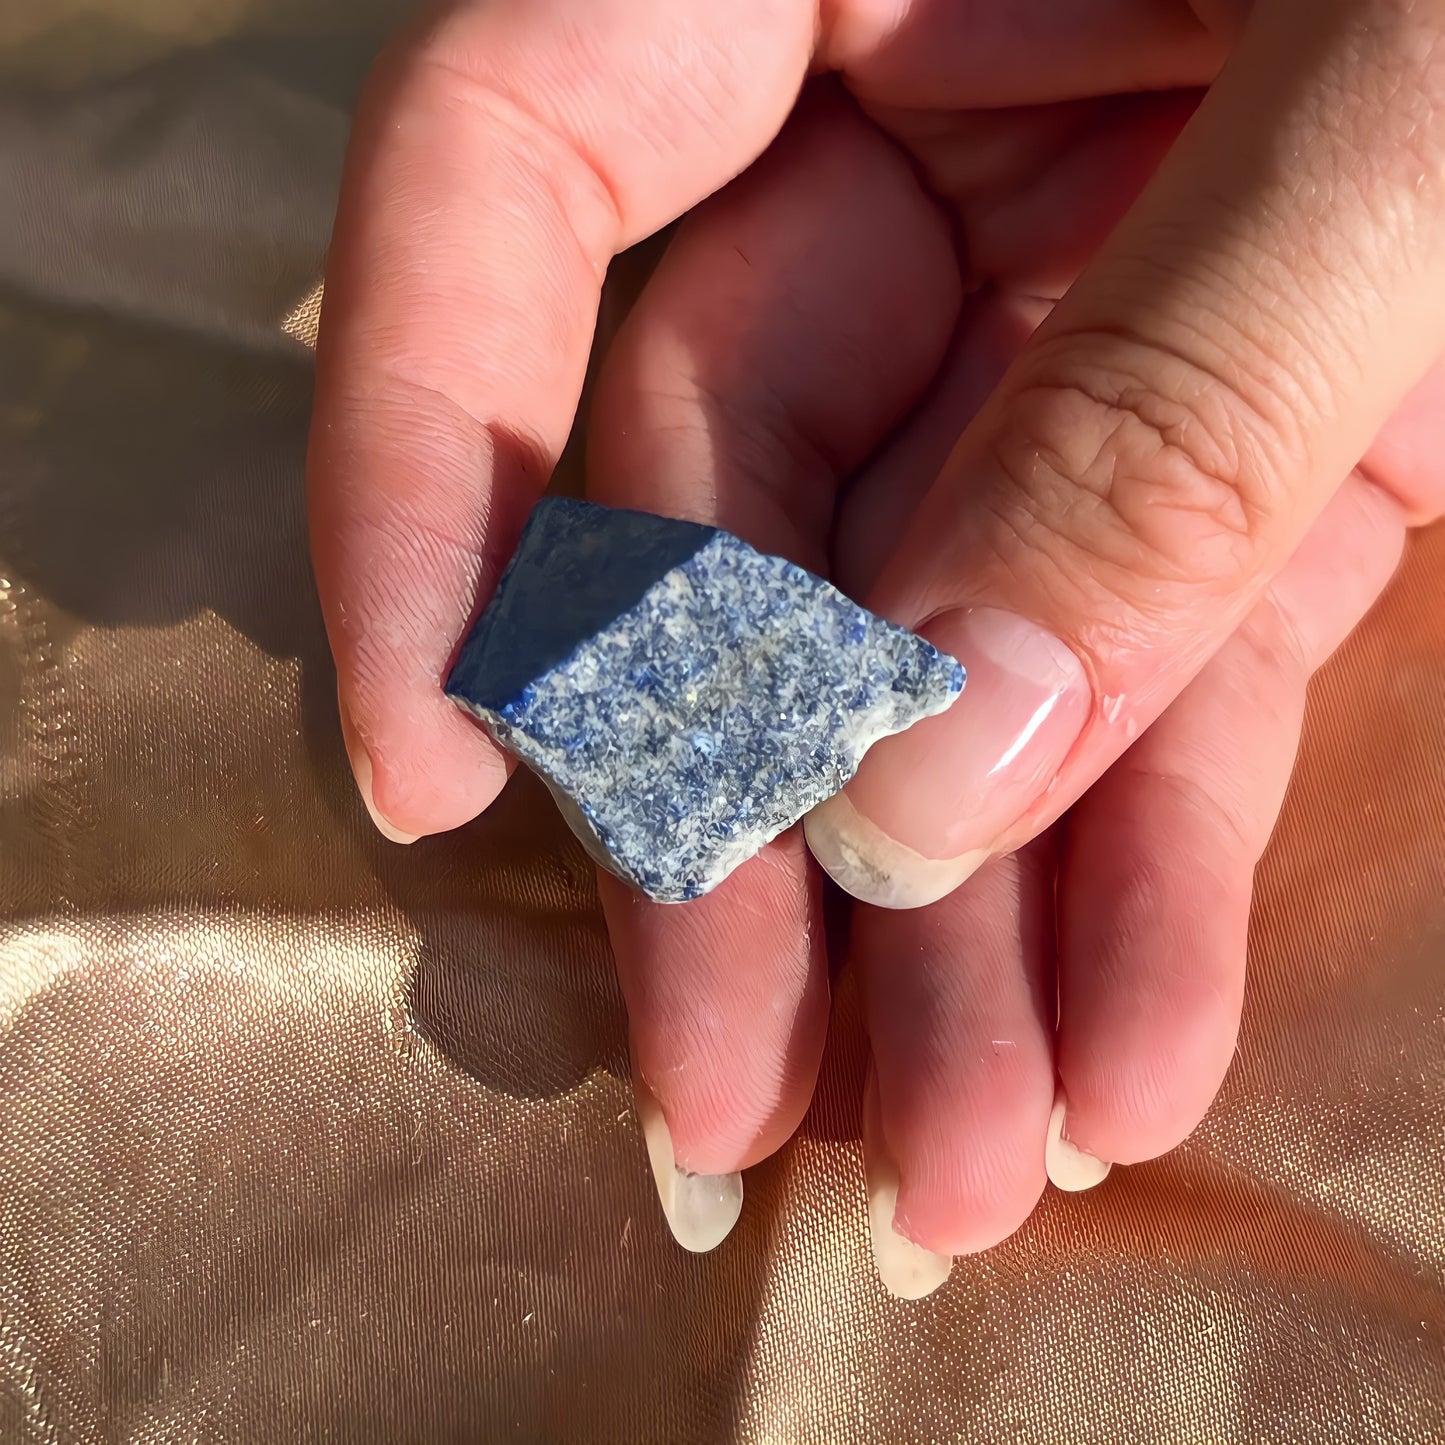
306 1137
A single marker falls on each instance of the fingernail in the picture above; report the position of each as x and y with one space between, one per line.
1068 1167
871 865
928 806
360 761
908 1270
701 1209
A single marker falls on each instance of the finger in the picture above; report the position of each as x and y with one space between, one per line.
1164 442
728 1003
876 512
1034 192
1404 460
500 157
791 322
958 999
1038 189
794 320
1155 887
940 57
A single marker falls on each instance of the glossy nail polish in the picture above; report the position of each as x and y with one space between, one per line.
930 805
907 1270
700 1209
1069 1167
360 761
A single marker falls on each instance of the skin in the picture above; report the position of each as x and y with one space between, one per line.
838 360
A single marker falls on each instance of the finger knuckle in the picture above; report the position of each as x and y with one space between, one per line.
1143 472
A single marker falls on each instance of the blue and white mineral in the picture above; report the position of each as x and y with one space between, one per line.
685 697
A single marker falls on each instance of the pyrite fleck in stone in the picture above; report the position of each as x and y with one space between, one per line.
685 697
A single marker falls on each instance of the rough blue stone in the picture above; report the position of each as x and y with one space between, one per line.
685 697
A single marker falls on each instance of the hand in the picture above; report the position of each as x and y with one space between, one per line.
1141 526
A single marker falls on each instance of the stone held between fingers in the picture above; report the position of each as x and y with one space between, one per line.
685 697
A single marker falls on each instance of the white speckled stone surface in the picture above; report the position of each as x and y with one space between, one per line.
686 697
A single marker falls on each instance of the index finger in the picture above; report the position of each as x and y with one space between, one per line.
502 155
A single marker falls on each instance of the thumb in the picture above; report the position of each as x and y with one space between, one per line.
1166 439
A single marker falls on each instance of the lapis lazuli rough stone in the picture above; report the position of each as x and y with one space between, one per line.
685 697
